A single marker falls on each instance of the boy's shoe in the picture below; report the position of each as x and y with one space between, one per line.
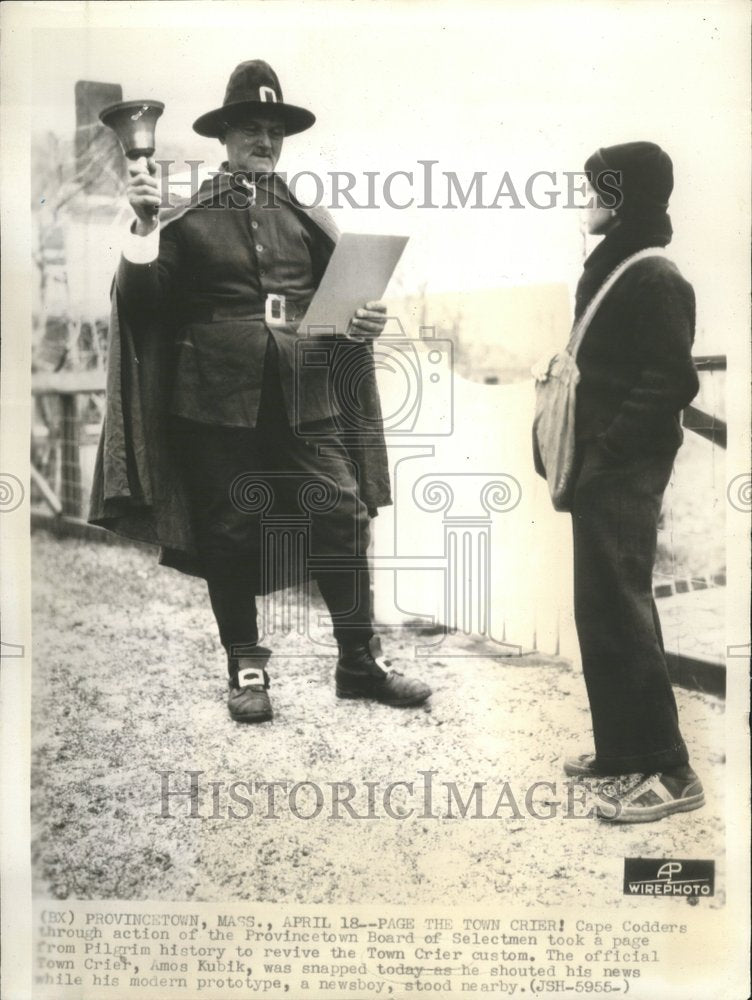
360 675
643 798
582 766
248 700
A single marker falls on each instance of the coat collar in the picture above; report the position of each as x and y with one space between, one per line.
222 181
629 237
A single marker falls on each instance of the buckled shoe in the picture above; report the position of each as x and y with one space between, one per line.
248 700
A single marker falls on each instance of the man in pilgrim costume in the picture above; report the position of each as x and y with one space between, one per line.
213 427
636 377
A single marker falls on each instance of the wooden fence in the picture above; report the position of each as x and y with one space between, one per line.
471 544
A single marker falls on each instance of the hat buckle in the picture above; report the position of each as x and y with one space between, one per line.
253 90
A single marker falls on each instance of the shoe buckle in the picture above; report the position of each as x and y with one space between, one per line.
251 675
275 310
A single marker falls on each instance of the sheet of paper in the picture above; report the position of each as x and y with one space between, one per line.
358 272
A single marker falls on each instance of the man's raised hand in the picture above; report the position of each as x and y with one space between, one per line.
143 193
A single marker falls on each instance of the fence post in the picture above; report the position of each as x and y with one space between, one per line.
70 463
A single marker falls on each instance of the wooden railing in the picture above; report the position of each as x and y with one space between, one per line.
525 622
67 385
707 425
66 498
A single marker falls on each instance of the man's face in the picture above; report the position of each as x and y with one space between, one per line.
255 145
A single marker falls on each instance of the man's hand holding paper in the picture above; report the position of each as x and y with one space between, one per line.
368 322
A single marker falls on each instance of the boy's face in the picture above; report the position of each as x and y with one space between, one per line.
598 220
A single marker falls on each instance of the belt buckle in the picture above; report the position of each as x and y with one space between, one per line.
275 311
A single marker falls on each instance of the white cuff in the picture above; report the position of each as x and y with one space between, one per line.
141 249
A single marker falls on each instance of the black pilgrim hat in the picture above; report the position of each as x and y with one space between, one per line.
253 88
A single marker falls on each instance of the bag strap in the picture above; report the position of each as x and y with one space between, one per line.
581 326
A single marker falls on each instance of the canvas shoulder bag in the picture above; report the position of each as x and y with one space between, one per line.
555 396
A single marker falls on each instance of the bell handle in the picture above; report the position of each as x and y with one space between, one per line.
138 163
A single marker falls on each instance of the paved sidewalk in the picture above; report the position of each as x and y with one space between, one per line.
128 682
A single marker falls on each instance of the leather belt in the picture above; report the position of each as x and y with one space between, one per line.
274 310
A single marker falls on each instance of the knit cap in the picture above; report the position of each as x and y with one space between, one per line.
641 171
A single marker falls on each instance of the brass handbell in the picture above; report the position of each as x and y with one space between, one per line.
134 123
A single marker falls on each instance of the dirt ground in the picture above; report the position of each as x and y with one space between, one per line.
128 682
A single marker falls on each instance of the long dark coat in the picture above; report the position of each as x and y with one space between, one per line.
137 489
